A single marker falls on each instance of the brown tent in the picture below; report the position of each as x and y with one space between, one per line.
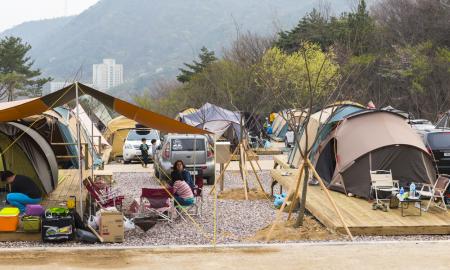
20 109
372 140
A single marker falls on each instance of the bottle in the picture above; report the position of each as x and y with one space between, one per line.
402 191
412 190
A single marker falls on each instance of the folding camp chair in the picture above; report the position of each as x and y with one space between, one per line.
103 198
157 201
382 181
436 192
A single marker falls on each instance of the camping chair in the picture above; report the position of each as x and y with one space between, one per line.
436 192
382 181
196 208
103 198
157 201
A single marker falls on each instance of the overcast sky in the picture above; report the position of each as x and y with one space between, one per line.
14 12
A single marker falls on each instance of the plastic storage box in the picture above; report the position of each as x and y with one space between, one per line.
9 219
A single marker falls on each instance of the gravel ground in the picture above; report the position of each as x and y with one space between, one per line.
236 220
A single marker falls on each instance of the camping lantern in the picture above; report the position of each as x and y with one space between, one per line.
71 202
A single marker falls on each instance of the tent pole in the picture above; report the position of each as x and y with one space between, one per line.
80 167
92 141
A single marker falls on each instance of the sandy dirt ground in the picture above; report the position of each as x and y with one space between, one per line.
380 255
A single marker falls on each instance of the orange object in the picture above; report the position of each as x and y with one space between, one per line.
9 219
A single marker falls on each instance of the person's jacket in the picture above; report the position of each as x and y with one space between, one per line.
186 177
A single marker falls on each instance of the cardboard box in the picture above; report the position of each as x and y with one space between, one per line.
111 227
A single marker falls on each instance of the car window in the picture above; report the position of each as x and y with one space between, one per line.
134 135
439 140
188 144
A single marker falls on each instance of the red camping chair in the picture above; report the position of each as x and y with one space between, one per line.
157 201
198 195
196 208
103 198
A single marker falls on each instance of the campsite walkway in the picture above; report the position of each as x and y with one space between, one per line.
367 255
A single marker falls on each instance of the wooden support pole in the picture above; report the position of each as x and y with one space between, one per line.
277 219
256 174
297 187
222 166
242 167
329 198
221 176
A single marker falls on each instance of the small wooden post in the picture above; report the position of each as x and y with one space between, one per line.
221 179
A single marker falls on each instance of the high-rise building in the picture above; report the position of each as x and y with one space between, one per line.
107 75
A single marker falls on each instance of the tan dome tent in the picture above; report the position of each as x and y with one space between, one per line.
317 121
116 133
372 140
30 155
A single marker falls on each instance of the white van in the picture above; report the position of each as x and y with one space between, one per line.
131 151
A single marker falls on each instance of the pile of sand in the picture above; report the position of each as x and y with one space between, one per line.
238 194
285 231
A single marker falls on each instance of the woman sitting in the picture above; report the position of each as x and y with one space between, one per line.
181 190
179 168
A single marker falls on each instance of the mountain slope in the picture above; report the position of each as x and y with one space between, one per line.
153 37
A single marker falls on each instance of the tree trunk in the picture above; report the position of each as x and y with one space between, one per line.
301 213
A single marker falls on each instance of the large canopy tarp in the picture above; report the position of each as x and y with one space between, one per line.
16 110
214 119
30 155
87 124
372 140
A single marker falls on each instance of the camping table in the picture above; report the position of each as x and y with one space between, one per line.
405 205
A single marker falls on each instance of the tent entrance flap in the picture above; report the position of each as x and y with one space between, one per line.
326 163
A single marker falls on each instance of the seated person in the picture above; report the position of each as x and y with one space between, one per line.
182 191
23 190
179 168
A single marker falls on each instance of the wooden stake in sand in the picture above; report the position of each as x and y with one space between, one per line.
329 197
316 175
297 187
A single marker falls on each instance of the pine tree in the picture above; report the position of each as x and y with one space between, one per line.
16 73
206 57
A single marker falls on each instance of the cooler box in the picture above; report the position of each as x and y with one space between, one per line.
9 219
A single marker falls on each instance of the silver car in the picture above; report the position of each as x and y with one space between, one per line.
193 150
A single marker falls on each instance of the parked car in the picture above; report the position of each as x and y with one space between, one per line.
193 150
131 151
438 143
421 124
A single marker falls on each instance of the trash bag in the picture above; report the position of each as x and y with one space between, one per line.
86 237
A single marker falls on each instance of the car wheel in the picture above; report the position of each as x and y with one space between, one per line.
126 161
211 180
